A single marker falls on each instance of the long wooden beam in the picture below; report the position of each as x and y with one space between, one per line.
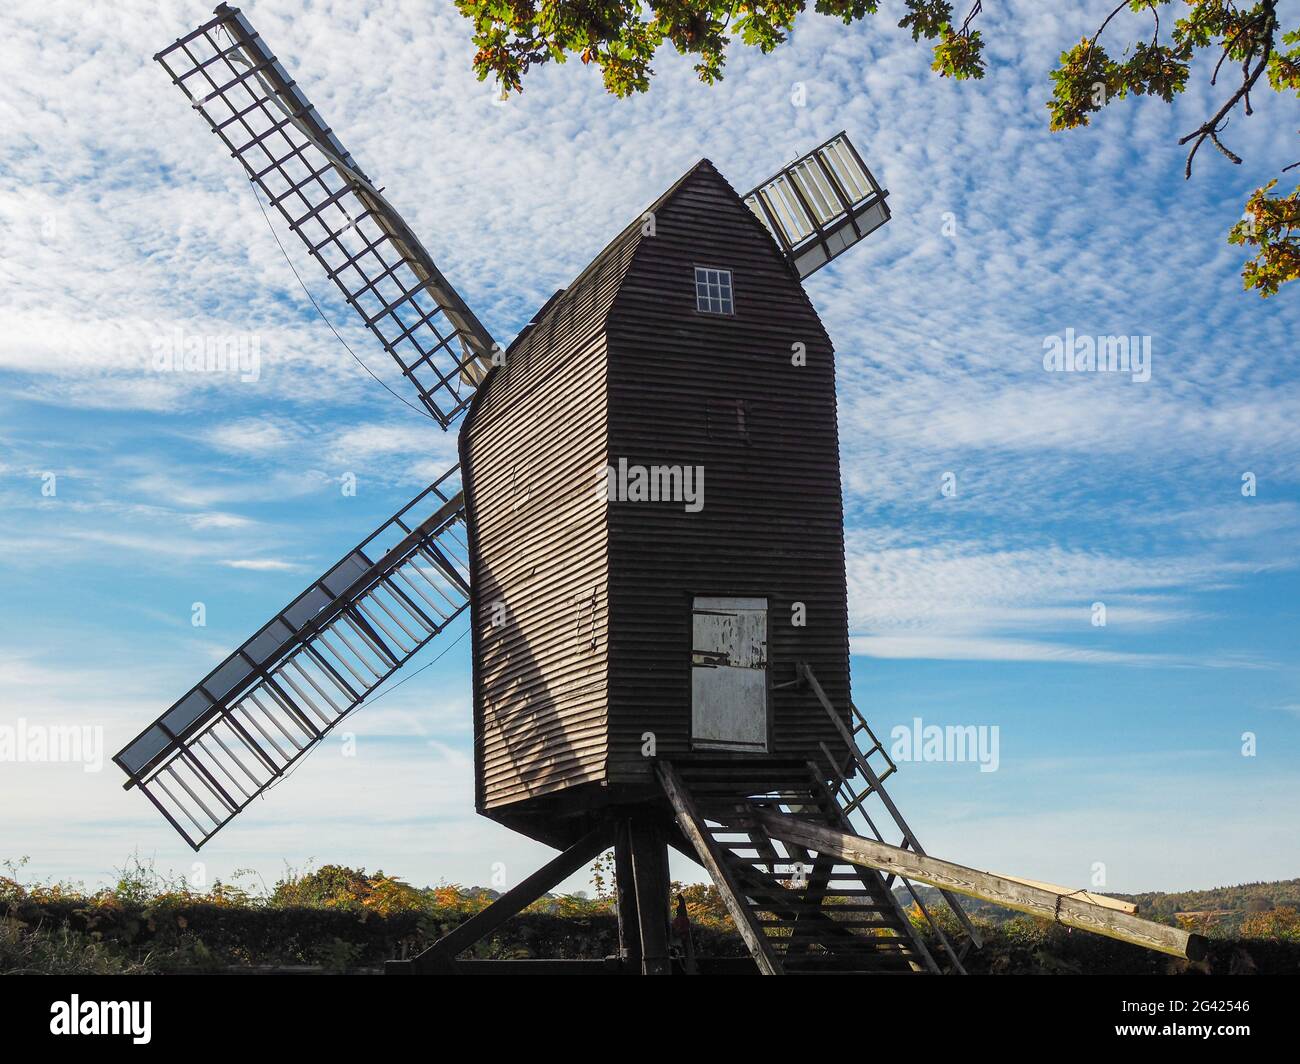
1097 899
1072 910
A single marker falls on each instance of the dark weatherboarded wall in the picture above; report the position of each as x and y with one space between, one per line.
532 443
594 648
772 521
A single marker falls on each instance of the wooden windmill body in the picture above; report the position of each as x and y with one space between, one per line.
587 594
646 529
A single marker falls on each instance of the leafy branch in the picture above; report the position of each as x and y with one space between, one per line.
621 38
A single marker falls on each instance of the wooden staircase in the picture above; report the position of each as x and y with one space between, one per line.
799 914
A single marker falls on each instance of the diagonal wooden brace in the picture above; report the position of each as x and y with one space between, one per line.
441 956
711 857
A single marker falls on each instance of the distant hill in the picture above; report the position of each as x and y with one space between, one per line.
1219 910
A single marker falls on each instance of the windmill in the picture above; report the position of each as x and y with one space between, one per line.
646 528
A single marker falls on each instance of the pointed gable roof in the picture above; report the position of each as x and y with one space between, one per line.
580 308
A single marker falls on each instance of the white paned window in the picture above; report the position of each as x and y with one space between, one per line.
713 290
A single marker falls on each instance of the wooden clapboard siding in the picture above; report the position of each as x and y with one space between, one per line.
772 522
531 446
622 364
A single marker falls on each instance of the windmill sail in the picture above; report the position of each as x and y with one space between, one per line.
238 731
361 242
821 204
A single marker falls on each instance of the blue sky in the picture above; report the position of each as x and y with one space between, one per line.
122 220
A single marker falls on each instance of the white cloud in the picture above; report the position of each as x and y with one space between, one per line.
215 520
174 487
252 436
975 648
971 585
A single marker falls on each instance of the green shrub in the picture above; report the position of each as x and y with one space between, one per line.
345 919
60 951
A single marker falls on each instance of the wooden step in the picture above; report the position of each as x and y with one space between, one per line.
831 918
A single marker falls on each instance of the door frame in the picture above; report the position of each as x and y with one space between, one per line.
768 715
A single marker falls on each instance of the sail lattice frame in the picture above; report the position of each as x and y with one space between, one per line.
304 172
239 730
821 204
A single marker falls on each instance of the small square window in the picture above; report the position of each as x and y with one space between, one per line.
713 291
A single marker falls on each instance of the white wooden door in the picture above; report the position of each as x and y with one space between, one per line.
729 674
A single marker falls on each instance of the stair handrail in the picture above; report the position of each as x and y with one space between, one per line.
876 786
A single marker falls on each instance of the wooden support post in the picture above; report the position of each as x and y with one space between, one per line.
441 955
1072 910
650 874
629 928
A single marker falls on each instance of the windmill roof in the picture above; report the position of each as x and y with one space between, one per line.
575 314
634 231
615 255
